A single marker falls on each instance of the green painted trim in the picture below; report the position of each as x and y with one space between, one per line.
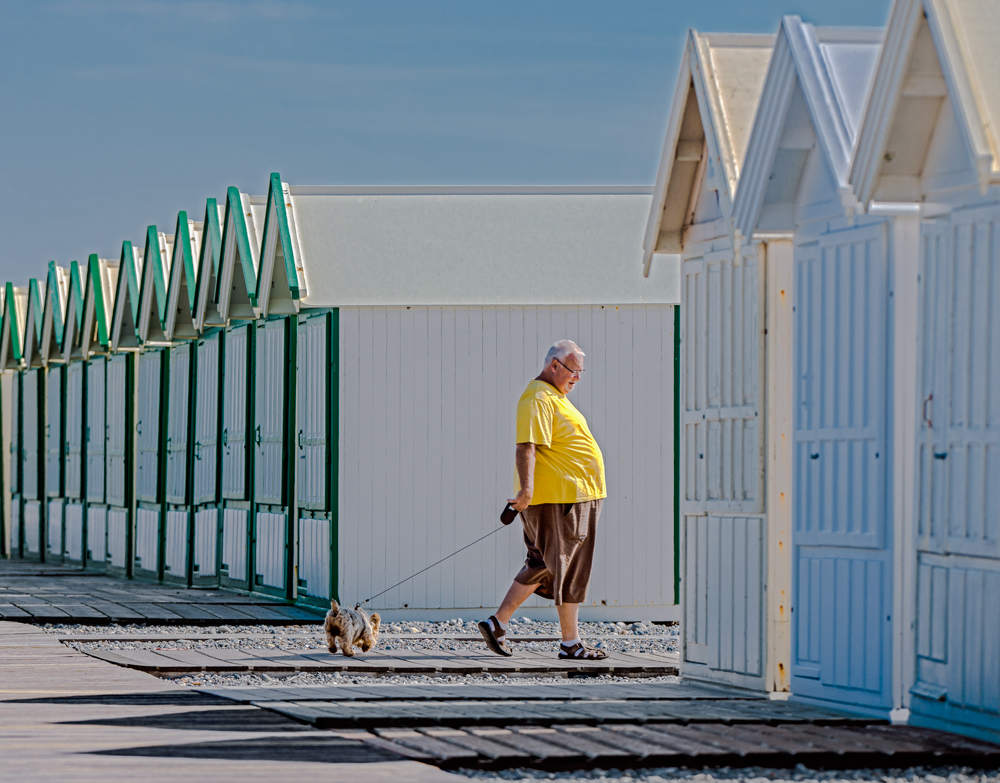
151 255
211 242
55 305
36 306
10 321
276 199
100 306
127 271
677 452
182 234
334 428
76 292
234 210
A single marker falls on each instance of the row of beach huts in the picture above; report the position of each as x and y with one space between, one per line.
793 352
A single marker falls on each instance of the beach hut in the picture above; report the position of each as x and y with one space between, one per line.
929 148
75 403
834 268
32 400
11 327
733 355
422 313
49 351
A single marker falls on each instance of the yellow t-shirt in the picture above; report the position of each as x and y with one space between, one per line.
569 466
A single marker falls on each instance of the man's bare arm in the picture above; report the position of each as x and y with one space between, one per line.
524 459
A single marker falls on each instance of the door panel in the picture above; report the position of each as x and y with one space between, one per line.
269 435
234 414
147 427
206 421
312 400
96 432
177 423
74 429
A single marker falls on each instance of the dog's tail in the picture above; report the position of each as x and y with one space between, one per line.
334 606
375 621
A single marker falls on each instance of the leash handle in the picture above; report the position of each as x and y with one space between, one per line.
508 514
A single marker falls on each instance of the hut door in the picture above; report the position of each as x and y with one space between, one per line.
147 427
53 432
312 400
117 411
842 600
234 414
206 422
74 429
29 453
177 423
15 432
96 431
269 434
958 531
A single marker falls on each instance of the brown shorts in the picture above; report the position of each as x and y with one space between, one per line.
560 539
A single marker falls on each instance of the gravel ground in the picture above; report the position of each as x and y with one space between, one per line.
799 774
212 680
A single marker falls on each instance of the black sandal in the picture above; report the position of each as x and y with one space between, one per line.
580 652
495 636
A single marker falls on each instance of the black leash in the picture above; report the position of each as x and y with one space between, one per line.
506 517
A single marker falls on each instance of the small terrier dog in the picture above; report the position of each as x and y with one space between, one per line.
351 627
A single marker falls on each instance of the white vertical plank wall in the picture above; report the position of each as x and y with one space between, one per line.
234 543
115 423
269 435
958 524
206 535
97 535
206 420
175 545
117 521
177 423
842 589
234 414
96 432
15 525
15 439
73 527
33 528
427 402
54 536
147 427
29 435
269 550
54 444
147 539
74 430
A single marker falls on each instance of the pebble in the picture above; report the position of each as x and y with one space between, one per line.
213 680
800 774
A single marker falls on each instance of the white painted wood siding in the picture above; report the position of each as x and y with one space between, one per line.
15 526
73 544
312 401
206 536
722 339
234 543
117 537
33 527
269 550
29 435
234 414
147 539
97 533
15 435
54 522
117 410
178 408
314 557
147 427
74 430
427 402
54 445
175 545
96 430
269 436
206 421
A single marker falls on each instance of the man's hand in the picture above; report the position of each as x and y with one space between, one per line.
521 500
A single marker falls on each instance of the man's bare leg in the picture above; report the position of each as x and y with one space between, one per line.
568 614
516 595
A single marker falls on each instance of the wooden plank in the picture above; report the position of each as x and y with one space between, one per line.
443 751
370 739
11 612
719 735
482 746
595 751
190 611
530 743
153 612
195 659
673 739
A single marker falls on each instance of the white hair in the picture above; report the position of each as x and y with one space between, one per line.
560 350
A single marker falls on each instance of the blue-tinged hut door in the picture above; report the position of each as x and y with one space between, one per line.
96 437
73 481
842 578
205 475
958 529
15 465
235 492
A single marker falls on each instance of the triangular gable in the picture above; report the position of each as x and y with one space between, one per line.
714 102
127 296
15 301
74 311
155 276
182 287
98 306
938 65
278 284
238 264
33 324
808 115
54 313
208 267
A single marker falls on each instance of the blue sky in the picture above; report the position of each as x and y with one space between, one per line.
118 113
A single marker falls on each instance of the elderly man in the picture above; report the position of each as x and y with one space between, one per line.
560 474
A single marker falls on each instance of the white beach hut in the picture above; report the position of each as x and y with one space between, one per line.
735 523
74 432
32 401
11 345
50 353
929 148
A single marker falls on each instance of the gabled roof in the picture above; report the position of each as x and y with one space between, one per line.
935 51
278 286
98 305
155 275
54 313
15 303
127 297
813 95
33 324
714 102
238 263
208 267
179 320
74 312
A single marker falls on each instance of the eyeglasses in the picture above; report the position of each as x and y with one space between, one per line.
577 373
